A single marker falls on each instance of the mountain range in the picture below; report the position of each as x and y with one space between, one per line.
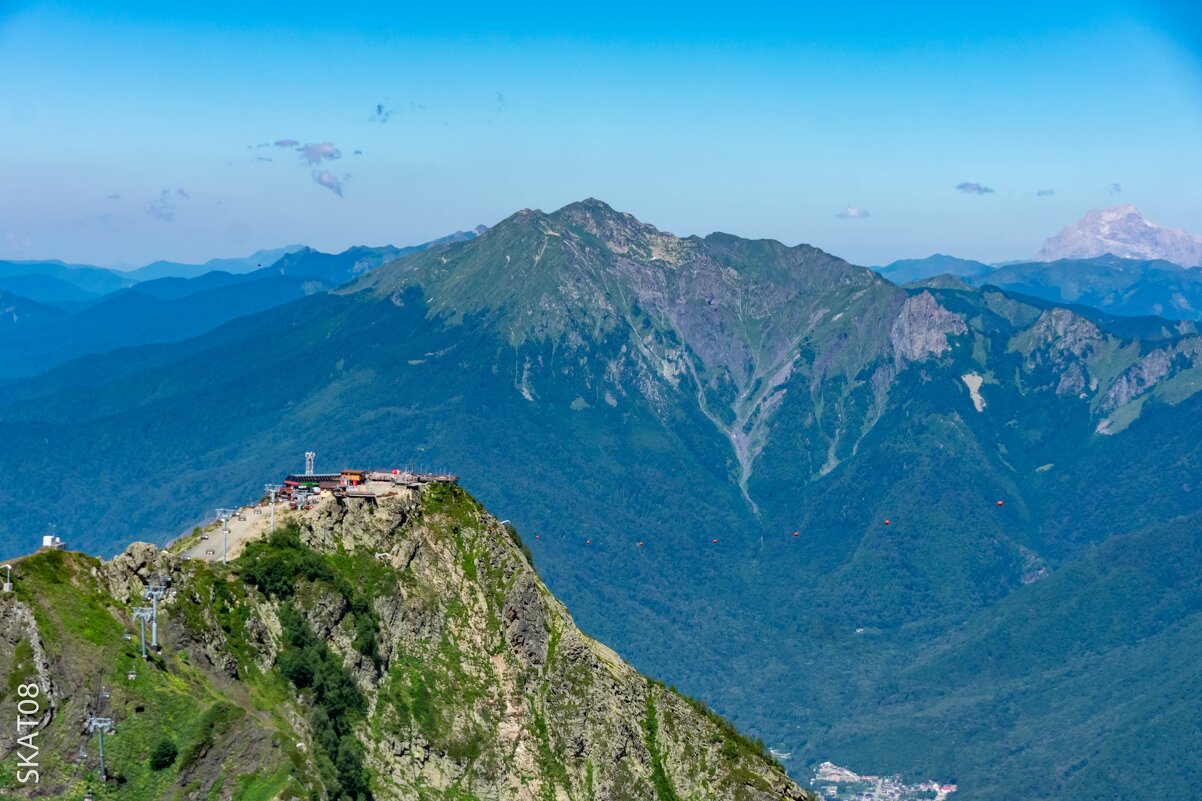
39 335
236 265
821 501
58 282
1112 260
906 270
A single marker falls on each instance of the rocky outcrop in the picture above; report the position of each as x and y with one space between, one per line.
132 571
1150 370
17 626
520 689
1072 380
1061 332
922 328
525 619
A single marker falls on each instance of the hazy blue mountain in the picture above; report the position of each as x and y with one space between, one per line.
16 311
907 270
176 287
164 310
335 268
45 289
338 268
236 265
605 384
1109 283
133 317
87 280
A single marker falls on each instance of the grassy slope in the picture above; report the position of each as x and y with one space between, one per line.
172 696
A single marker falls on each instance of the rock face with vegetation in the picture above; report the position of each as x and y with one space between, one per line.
394 648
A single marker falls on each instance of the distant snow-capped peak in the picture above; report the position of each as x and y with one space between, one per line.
1122 231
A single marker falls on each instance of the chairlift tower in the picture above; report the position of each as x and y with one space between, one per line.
143 615
8 579
99 723
154 592
225 515
273 490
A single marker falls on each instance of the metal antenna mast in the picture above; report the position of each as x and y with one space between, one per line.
100 724
310 456
274 490
225 515
154 592
143 615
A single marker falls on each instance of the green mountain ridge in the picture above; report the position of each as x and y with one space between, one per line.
397 647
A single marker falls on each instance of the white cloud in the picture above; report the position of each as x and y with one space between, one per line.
322 151
162 207
853 213
329 181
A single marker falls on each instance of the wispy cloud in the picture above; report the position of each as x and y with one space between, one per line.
381 113
162 207
106 221
321 151
1116 188
182 193
329 181
853 213
315 154
973 188
113 196
1044 192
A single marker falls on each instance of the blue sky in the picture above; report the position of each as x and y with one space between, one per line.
133 132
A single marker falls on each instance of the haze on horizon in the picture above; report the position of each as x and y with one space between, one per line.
134 132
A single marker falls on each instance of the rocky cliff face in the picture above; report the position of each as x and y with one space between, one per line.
439 653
